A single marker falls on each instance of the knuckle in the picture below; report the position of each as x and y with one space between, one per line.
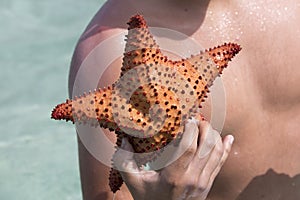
219 150
219 147
213 138
182 182
191 186
189 152
202 185
171 181
149 177
203 180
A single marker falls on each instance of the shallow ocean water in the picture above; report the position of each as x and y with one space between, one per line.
38 156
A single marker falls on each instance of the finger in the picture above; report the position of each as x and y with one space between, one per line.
209 138
187 146
124 159
199 195
213 161
181 154
228 141
128 168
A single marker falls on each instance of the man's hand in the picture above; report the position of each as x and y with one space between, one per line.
189 177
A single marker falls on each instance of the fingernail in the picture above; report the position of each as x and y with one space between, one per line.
231 139
191 121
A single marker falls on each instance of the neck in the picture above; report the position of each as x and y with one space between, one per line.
185 16
172 5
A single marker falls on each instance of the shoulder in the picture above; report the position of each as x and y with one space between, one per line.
107 23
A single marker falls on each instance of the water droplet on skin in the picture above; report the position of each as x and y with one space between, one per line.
269 12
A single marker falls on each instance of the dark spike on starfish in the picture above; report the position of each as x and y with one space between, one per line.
151 113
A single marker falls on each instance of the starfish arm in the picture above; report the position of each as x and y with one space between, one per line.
89 108
115 180
95 108
201 70
140 47
139 116
222 54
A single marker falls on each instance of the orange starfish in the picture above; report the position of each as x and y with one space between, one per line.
153 96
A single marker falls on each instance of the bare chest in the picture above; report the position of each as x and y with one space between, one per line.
262 92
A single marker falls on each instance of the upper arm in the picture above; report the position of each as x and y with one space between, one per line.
94 173
85 53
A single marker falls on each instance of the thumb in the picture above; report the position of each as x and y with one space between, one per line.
125 163
124 158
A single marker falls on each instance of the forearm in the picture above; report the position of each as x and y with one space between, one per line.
94 178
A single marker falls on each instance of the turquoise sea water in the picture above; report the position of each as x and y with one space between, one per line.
38 156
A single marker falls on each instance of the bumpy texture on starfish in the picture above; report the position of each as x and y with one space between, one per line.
153 96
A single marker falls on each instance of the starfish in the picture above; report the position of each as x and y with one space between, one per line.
152 97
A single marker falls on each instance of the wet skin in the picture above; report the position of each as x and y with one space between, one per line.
261 85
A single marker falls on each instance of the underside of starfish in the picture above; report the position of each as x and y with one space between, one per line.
152 97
